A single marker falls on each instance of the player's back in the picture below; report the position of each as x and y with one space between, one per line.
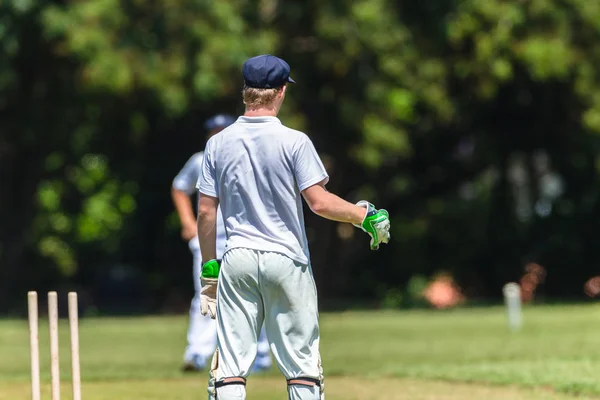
260 167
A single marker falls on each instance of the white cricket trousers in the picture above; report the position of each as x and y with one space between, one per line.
202 330
256 286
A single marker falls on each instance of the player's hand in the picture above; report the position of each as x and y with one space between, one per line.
376 223
189 231
208 294
208 297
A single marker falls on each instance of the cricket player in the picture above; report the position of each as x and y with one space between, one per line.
202 331
257 170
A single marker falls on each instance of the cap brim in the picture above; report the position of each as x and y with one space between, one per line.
291 80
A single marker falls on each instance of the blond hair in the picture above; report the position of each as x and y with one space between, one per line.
257 98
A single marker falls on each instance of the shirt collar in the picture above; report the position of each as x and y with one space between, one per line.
254 120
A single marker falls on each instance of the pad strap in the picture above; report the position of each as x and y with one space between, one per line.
234 380
304 381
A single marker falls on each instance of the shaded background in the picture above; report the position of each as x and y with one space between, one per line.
475 123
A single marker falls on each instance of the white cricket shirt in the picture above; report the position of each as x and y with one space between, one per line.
257 167
186 181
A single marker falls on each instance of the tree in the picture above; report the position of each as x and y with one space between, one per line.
475 123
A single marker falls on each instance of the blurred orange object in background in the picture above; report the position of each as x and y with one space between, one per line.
443 292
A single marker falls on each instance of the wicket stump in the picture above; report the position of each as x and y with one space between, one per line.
32 302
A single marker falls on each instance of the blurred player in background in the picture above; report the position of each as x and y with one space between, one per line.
257 171
202 331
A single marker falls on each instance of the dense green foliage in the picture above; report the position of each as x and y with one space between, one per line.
365 355
475 123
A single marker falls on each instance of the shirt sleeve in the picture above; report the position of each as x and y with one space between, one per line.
207 181
188 176
308 167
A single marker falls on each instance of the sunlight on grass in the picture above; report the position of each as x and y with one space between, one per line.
270 388
374 355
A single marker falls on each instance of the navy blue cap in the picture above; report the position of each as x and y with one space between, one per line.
266 72
218 121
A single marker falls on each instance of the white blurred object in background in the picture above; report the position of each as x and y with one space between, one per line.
512 299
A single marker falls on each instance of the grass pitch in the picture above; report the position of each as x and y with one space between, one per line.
464 354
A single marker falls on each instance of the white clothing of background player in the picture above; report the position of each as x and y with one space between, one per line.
202 331
256 170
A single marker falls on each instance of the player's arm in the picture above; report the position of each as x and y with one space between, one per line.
207 235
362 214
330 206
183 205
182 188
207 226
311 178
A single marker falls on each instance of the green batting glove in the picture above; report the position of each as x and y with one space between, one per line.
376 223
208 293
211 268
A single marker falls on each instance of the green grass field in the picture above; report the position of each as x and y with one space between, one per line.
464 354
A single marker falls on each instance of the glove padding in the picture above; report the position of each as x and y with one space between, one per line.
376 223
208 297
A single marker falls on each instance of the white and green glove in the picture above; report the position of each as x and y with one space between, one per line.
208 293
376 223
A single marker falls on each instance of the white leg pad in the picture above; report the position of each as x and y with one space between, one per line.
230 388
233 392
297 392
212 376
